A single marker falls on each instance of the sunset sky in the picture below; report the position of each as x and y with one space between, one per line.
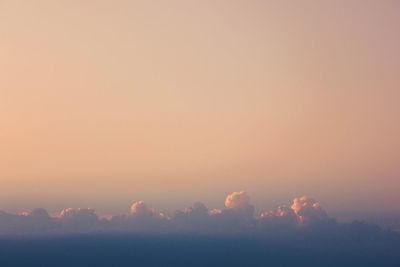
104 103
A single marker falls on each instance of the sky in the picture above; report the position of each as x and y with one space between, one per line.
104 103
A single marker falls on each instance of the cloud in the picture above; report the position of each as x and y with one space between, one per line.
140 218
71 214
238 216
283 216
215 211
239 203
79 220
40 221
10 223
198 209
194 218
140 209
308 210
39 213
36 221
304 211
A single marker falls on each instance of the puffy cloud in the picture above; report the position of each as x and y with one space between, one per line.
140 209
198 218
79 219
239 202
67 213
283 216
39 220
194 218
308 210
198 208
303 211
140 218
36 221
281 211
237 216
78 214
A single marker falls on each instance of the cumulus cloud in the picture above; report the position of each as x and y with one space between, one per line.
198 209
238 215
79 220
140 218
39 213
281 211
39 220
283 216
194 218
140 209
36 221
304 211
239 203
79 214
308 210
237 200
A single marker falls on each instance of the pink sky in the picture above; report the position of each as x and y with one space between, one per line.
103 103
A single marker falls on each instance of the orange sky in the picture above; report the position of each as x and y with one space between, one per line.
103 103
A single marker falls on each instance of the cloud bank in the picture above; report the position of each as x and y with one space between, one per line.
238 216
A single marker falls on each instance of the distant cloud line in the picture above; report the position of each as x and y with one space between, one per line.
238 215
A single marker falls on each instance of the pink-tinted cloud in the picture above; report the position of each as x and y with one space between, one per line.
237 216
308 210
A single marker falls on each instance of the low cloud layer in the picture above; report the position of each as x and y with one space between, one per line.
238 216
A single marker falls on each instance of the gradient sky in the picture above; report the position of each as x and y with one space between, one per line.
103 103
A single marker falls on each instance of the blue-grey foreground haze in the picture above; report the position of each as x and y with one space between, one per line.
301 234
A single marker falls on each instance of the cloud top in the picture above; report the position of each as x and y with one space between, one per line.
237 200
238 215
239 203
308 210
